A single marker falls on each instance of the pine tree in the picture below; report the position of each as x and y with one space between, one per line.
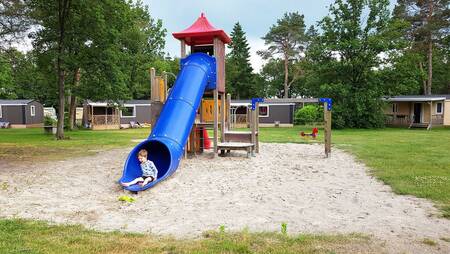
239 70
429 25
287 40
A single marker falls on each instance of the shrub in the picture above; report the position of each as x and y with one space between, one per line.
308 115
48 121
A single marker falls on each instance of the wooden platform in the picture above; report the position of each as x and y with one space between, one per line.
227 146
239 136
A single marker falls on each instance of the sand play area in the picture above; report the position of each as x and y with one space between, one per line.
289 183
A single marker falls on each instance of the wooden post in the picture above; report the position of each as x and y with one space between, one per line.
253 128
431 114
165 88
154 91
228 117
183 49
327 129
222 117
216 119
257 127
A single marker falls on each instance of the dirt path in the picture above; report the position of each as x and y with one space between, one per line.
288 183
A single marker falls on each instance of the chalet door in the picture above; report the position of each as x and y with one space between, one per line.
417 112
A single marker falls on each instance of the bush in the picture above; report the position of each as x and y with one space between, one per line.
49 121
308 115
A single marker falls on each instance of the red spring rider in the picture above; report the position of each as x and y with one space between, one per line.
313 134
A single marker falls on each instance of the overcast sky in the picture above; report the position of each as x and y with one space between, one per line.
255 16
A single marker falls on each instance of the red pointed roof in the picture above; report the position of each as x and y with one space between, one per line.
202 32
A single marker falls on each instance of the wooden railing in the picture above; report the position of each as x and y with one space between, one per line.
437 119
406 120
105 119
398 120
239 120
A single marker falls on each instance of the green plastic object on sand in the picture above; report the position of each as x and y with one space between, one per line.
126 199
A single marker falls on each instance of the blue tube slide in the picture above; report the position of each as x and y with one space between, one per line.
166 142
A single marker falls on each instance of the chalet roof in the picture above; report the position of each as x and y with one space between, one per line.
276 101
418 98
201 32
125 103
15 102
291 100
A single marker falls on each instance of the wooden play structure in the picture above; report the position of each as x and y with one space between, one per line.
182 125
213 113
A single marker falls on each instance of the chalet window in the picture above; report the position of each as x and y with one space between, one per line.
439 108
32 110
394 108
128 112
263 111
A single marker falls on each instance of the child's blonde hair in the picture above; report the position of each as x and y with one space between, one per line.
142 153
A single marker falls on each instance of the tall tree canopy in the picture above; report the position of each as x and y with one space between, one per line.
343 60
429 26
240 78
14 20
287 40
100 50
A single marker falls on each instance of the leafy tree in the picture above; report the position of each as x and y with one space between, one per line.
239 70
6 80
287 39
144 44
101 49
273 75
343 61
54 18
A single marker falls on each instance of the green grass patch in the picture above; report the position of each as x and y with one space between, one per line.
428 241
23 236
33 145
445 239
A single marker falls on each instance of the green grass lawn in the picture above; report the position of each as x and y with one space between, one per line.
23 236
412 161
33 144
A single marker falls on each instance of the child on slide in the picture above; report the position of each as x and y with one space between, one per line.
149 171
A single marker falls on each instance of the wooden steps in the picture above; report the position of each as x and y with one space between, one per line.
225 147
420 125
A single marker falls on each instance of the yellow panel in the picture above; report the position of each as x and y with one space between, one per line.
208 110
162 91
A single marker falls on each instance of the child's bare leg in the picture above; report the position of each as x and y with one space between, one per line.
135 181
147 180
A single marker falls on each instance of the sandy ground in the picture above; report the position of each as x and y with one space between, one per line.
288 183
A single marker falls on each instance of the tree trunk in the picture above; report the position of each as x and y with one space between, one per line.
430 48
61 102
286 76
424 81
63 11
73 99
430 66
